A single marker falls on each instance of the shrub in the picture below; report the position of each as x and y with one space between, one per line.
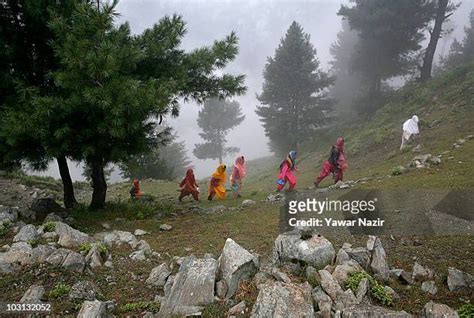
466 311
49 226
140 306
60 289
376 290
85 248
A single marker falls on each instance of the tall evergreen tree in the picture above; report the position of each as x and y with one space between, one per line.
113 85
294 97
390 33
216 119
461 52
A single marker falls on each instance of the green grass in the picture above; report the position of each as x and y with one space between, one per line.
60 290
376 290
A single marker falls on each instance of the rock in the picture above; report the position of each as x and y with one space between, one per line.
33 295
469 137
74 262
139 232
221 289
261 278
169 283
70 237
50 236
92 309
43 206
342 257
341 272
52 217
119 238
362 290
274 197
461 141
215 209
158 276
389 290
8 214
379 263
19 253
237 309
369 311
322 302
27 233
280 276
330 285
277 299
314 250
429 287
83 290
165 227
193 287
434 310
246 203
421 273
371 242
94 256
139 255
42 252
312 275
143 245
235 264
405 277
359 254
106 226
346 299
458 280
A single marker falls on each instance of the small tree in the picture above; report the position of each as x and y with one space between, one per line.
294 98
216 119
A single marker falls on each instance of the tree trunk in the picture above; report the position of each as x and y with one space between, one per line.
99 185
435 35
220 146
68 188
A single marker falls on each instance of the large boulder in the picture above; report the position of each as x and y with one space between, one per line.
323 303
120 238
458 280
434 310
192 289
330 285
43 206
378 262
235 265
41 252
359 254
369 311
93 309
67 259
277 299
314 250
70 237
27 233
158 276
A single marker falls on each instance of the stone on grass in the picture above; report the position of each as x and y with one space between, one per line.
359 254
139 255
458 280
237 309
434 310
247 203
280 276
27 233
83 290
33 295
341 272
421 273
342 257
70 237
41 252
314 250
19 253
165 227
120 238
429 287
362 290
330 285
158 276
322 302
369 311
139 232
67 259
277 299
378 262
235 265
94 309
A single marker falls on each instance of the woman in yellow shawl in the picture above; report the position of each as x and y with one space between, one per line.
217 184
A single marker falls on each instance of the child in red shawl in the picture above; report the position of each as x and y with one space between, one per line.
135 190
336 164
189 186
238 174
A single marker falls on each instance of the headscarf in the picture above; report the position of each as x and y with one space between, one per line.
240 166
220 174
291 159
411 126
190 177
341 161
136 185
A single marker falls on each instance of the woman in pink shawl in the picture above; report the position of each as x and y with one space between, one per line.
287 167
237 176
336 164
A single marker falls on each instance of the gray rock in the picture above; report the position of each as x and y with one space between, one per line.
221 289
312 275
322 302
359 254
95 257
362 291
389 290
74 262
50 236
458 280
158 276
52 217
379 263
369 311
429 287
316 250
27 233
216 209
342 257
139 255
33 295
434 310
421 273
143 245
8 214
235 264
277 299
139 232
70 237
247 203
119 238
330 285
42 252
106 226
346 299
83 290
237 309
93 309
43 206
19 253
193 287
165 227
341 272
280 276
169 283
274 197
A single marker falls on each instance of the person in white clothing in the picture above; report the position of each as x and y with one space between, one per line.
410 128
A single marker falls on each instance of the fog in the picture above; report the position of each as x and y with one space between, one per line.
259 25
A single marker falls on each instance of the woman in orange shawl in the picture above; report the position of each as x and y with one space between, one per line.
189 186
238 174
217 183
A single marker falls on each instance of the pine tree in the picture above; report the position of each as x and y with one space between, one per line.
216 119
461 52
294 97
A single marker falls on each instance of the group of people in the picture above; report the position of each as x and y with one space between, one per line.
336 165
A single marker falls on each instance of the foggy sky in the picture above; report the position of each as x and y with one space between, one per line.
260 25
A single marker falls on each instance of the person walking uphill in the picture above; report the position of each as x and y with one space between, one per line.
237 176
287 167
189 186
217 183
336 164
410 128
